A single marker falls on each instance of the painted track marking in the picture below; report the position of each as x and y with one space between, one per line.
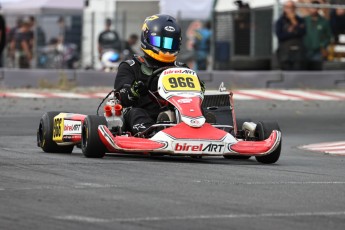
333 148
198 217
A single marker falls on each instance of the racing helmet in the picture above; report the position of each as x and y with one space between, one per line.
161 38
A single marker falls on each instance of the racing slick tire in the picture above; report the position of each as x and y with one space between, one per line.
45 135
91 144
239 122
263 131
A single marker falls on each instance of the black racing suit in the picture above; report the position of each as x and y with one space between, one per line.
142 112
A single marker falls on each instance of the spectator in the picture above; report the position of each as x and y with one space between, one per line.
13 30
31 32
2 36
62 29
290 29
10 40
317 38
337 23
21 46
41 37
128 46
241 26
108 39
202 46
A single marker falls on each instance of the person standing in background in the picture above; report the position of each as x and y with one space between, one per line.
290 29
10 40
108 39
317 38
202 45
337 21
128 51
2 36
21 46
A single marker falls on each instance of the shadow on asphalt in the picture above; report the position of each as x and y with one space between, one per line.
184 159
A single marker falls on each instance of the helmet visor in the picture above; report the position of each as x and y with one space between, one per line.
166 43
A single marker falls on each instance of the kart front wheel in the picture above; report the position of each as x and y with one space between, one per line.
45 135
91 144
239 122
263 131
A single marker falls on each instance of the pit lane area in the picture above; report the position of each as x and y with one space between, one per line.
303 190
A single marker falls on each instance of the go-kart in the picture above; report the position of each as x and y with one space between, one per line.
185 131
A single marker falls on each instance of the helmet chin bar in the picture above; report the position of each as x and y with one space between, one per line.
162 57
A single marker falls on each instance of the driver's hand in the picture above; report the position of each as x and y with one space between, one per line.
139 89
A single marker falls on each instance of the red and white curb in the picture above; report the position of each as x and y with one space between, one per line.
265 94
333 148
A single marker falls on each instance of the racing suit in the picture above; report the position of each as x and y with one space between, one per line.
141 112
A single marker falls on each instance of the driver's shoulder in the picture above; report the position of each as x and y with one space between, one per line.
180 64
135 61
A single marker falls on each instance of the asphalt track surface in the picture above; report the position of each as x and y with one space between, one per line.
304 190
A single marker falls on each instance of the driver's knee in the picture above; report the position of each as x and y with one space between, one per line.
138 120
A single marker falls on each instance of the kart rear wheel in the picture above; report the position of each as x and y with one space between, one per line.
263 131
91 144
45 135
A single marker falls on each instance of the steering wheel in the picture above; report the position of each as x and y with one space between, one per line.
154 76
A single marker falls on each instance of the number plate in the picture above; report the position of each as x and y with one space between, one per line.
58 127
181 82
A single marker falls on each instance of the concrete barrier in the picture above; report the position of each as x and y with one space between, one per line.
33 78
27 78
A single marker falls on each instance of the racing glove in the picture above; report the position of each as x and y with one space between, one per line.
139 89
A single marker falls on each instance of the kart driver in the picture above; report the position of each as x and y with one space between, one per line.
160 41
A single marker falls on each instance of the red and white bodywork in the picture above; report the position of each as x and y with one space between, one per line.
191 135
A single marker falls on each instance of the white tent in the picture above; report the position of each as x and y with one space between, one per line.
228 5
42 6
191 9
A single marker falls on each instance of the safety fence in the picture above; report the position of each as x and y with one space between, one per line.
242 39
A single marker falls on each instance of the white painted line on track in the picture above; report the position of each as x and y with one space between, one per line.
239 96
309 95
337 152
198 217
25 95
340 95
274 183
70 95
54 187
333 148
250 94
105 186
271 95
325 144
100 95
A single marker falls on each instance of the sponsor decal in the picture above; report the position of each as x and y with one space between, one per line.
72 127
185 100
139 126
194 121
186 71
71 138
211 148
169 28
151 18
